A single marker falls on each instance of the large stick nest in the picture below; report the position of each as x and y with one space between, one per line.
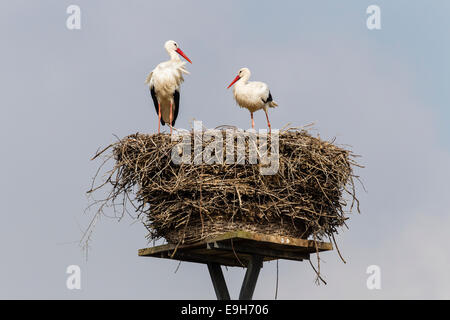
309 196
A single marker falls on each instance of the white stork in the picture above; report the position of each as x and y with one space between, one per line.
252 95
164 83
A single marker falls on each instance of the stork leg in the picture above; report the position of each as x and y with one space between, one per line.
268 122
159 117
253 121
170 118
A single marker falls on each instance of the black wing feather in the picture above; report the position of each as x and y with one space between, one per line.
176 99
155 102
269 98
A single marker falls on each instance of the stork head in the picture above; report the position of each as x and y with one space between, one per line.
172 48
243 73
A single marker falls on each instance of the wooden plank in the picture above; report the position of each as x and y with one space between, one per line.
165 247
265 252
202 258
270 247
286 241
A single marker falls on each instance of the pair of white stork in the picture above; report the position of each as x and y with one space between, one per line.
165 81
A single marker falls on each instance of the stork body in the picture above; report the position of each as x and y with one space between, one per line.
164 83
252 95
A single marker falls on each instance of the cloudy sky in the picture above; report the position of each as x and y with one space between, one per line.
66 92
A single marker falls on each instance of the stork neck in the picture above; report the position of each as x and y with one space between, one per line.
243 81
173 55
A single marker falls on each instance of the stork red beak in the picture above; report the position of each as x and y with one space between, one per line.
234 81
181 53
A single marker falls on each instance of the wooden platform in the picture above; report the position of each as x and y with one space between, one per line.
236 249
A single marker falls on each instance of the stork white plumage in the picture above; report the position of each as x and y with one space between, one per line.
252 95
164 84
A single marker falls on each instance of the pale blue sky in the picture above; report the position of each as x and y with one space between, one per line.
65 93
415 32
